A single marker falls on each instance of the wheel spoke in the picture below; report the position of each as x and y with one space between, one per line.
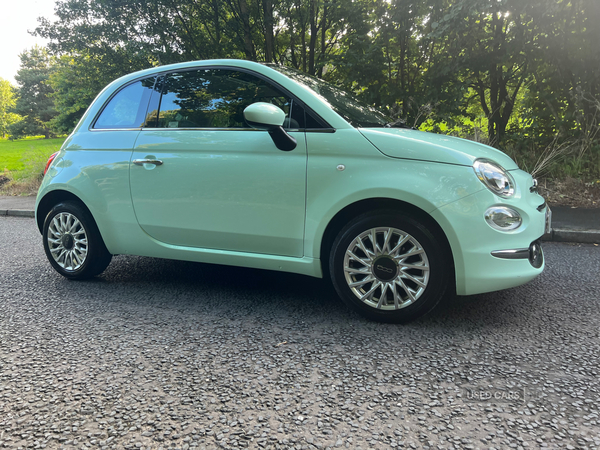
373 238
360 244
382 297
399 245
415 266
358 283
55 227
386 241
414 279
369 294
406 289
396 295
405 256
80 250
62 221
61 259
358 260
357 271
74 227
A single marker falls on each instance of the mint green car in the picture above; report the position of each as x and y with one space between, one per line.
239 163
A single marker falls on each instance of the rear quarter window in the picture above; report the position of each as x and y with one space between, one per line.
128 107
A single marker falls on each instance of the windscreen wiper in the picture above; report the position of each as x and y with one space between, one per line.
398 124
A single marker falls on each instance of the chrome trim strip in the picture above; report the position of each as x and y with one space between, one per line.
114 129
200 129
289 130
520 253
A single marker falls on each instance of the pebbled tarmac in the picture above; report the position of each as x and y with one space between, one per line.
167 354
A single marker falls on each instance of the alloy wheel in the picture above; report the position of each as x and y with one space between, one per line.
67 241
386 268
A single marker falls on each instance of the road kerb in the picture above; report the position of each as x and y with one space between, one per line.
17 213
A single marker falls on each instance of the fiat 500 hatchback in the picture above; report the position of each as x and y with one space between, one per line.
239 163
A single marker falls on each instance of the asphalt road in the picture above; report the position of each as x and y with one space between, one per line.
158 353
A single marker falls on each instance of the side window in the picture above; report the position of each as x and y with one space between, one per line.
127 108
216 98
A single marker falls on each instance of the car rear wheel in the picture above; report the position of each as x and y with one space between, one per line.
389 266
73 243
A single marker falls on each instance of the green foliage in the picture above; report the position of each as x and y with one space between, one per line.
15 153
34 103
8 100
23 161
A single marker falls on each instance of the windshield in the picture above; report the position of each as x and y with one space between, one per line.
357 113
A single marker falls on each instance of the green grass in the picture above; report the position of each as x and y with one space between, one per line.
22 163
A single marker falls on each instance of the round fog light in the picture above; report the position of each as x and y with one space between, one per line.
502 218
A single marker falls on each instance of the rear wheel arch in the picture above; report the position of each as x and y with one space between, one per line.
50 200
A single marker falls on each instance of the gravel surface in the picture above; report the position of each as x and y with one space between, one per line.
166 354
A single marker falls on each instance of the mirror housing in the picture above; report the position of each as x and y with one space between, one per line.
268 117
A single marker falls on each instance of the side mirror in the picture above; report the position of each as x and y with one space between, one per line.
268 117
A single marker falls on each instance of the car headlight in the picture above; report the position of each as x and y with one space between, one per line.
495 178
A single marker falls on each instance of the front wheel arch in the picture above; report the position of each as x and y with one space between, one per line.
356 209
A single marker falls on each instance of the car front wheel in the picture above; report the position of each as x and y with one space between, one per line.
389 267
73 243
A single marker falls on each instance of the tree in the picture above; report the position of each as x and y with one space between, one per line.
488 45
388 57
522 69
77 79
96 41
565 89
34 103
8 100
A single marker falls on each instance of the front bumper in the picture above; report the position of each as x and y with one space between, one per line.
486 259
534 254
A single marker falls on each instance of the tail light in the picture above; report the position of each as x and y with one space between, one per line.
52 156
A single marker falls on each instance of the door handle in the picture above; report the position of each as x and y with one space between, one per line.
141 162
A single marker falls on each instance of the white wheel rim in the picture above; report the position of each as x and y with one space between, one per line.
67 241
386 268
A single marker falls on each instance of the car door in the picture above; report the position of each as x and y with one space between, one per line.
200 177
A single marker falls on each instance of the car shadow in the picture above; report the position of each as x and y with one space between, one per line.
229 291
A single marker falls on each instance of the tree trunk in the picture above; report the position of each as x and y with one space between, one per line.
249 49
268 24
323 43
313 38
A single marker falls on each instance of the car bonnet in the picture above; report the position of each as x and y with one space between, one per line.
418 145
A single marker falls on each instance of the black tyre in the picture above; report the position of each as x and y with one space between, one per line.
389 267
73 243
